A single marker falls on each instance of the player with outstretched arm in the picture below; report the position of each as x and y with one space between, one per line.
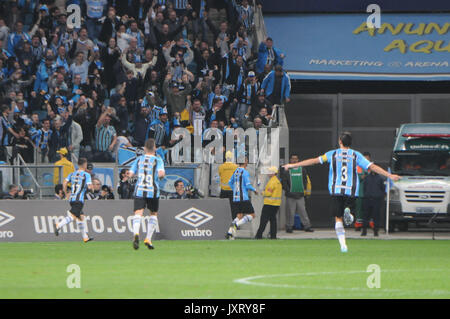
80 181
149 170
343 181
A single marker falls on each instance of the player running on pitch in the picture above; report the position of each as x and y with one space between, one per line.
81 181
343 181
149 169
241 205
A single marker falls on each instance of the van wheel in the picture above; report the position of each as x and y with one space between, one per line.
403 226
392 227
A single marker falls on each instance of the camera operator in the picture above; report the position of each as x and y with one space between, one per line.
106 193
15 192
182 193
126 185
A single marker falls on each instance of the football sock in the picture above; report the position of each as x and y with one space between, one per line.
64 221
82 228
152 223
136 224
340 232
244 220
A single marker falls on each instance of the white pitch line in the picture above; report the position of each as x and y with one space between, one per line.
249 281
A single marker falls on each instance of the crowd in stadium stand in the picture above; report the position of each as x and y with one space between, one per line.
133 69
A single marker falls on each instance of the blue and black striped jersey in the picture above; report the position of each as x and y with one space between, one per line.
146 167
240 184
343 176
80 181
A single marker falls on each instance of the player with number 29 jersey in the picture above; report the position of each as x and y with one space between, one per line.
146 168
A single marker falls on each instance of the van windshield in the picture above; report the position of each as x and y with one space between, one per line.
421 163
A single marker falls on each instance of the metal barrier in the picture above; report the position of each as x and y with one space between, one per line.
260 27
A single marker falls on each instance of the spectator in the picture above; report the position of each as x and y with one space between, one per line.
110 26
23 146
105 138
197 117
268 55
6 132
259 103
55 66
45 70
160 130
86 117
277 86
246 96
67 166
81 43
109 56
94 12
95 194
296 185
42 139
59 192
272 201
217 112
245 15
60 134
139 69
80 67
90 170
176 98
17 38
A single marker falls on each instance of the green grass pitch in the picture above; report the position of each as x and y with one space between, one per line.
227 269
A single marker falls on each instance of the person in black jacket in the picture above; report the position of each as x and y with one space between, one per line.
110 26
126 185
374 190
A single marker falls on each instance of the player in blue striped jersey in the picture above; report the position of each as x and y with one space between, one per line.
81 182
343 181
241 205
149 170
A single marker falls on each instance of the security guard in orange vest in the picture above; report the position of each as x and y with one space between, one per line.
272 202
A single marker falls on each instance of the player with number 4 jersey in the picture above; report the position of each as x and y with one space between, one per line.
149 170
343 181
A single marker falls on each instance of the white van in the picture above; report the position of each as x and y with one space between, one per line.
421 156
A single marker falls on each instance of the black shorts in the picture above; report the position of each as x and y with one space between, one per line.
76 208
339 203
244 207
226 194
151 203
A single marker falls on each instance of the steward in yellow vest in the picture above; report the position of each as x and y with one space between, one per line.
272 202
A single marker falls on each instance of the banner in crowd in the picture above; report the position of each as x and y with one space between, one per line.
404 47
31 221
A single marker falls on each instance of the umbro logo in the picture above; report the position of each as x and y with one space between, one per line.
5 218
193 217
